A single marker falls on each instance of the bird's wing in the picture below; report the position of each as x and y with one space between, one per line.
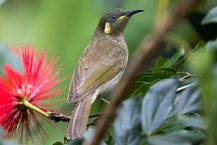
84 83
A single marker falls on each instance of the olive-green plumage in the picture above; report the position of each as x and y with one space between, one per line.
99 68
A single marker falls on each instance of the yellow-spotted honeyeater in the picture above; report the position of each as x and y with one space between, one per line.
99 68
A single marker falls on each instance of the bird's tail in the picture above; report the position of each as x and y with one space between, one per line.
79 119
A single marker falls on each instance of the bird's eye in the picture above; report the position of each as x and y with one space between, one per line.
114 17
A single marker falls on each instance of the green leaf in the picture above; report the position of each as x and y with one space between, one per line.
150 77
167 70
188 101
157 74
127 125
173 59
157 104
10 58
195 121
160 61
211 17
198 49
142 89
109 140
181 137
172 124
205 66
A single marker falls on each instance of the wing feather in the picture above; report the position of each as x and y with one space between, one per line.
96 67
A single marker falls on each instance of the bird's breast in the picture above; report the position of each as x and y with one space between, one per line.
105 49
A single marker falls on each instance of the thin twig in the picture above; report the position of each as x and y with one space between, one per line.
96 115
104 100
187 75
179 90
148 48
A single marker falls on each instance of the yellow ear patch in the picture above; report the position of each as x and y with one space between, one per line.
108 28
121 17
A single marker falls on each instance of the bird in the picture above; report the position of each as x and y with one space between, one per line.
99 68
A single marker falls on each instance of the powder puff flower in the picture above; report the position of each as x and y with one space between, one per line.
20 92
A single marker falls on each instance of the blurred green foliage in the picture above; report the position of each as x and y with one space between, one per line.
207 72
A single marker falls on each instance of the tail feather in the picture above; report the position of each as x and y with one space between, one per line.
79 119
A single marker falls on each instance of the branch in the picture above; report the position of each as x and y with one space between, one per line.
53 115
57 116
96 115
147 49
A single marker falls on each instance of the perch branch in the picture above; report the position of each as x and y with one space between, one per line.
57 116
147 49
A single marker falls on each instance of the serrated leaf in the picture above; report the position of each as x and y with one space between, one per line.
211 17
181 137
157 104
188 101
127 125
8 57
193 121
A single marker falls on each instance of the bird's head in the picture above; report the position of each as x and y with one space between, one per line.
114 21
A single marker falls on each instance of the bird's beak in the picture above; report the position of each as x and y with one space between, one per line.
130 13
134 11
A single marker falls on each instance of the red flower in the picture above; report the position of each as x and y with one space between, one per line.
37 82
